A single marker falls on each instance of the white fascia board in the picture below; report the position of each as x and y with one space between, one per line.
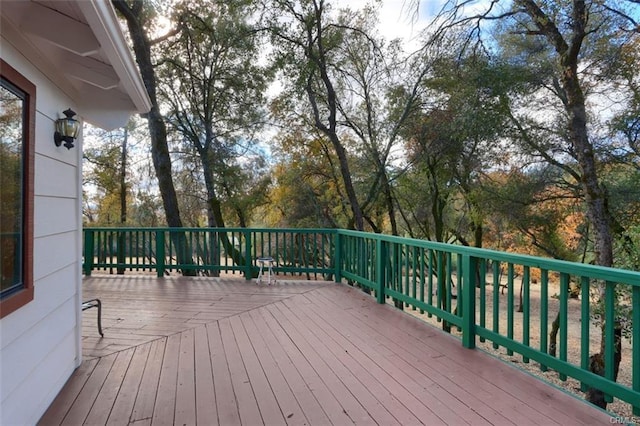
102 18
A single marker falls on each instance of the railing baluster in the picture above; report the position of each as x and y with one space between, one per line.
414 275
468 294
483 294
610 337
430 282
380 262
564 322
585 289
249 263
422 276
144 250
459 274
496 300
635 340
441 283
510 272
448 282
544 312
526 319
405 272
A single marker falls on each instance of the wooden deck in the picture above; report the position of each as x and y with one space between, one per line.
226 351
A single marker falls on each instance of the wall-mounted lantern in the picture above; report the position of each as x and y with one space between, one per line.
66 129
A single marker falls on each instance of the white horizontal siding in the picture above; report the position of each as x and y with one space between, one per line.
54 253
51 292
40 341
55 178
26 403
54 215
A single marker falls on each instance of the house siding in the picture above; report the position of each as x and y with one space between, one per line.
39 343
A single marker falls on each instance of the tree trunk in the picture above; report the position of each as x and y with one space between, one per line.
214 214
596 365
134 16
568 49
553 335
316 54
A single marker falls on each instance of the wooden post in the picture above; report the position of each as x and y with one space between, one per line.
337 256
88 251
469 306
160 254
380 272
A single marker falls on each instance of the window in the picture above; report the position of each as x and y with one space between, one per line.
17 132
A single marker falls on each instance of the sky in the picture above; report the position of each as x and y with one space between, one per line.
397 17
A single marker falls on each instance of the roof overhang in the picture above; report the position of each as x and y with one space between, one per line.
79 45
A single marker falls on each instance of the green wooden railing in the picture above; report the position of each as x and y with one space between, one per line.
502 299
208 251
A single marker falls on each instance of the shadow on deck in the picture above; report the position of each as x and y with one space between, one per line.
227 351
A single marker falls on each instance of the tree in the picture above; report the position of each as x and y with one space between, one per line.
139 20
306 41
452 136
212 80
574 44
215 88
307 189
106 170
356 89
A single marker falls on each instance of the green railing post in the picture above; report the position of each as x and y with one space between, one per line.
380 272
160 254
337 256
121 252
248 260
469 298
635 340
88 251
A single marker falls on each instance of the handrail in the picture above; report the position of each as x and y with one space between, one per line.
461 287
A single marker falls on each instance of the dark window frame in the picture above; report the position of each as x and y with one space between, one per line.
23 296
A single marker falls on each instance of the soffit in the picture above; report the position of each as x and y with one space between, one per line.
80 47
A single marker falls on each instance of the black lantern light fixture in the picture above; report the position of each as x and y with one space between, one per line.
66 129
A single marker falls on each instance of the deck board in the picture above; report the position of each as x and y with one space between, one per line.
411 372
205 396
226 402
126 398
110 389
84 402
407 407
312 411
285 398
302 365
208 351
146 396
164 409
444 366
358 401
186 386
245 398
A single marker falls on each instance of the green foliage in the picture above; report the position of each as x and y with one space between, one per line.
214 83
